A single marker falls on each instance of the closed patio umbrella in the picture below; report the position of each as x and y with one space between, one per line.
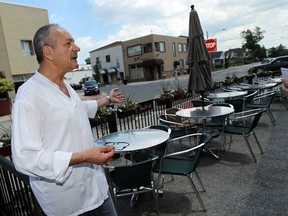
198 58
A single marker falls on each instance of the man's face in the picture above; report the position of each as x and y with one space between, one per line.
65 50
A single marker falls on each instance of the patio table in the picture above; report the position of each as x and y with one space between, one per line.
225 95
277 80
261 86
129 141
133 140
204 113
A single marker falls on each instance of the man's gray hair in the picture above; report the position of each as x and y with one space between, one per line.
42 37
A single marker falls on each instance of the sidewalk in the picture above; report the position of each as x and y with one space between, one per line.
235 185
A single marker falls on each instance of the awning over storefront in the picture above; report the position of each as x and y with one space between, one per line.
152 62
112 70
103 71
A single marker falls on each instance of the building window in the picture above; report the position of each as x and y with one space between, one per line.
181 61
134 50
162 46
180 48
184 48
136 72
108 58
27 48
147 48
159 46
174 49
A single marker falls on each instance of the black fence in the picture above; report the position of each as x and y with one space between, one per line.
145 115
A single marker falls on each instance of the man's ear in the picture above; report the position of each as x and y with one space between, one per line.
48 52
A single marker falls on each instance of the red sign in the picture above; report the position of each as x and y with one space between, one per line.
211 45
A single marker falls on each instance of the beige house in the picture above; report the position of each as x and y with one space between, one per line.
18 24
150 57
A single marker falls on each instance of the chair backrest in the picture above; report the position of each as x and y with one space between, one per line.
203 139
199 103
163 119
250 95
160 127
133 175
16 196
172 116
256 119
238 104
254 114
221 119
265 98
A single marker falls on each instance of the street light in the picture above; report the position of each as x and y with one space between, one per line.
215 32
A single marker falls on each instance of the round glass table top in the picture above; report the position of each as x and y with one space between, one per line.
257 86
205 112
133 140
222 95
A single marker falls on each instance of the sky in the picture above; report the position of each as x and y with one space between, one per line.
96 23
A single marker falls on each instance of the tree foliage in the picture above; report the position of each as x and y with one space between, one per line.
277 51
251 41
87 60
96 68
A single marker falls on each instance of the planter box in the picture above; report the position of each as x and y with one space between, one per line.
125 114
5 107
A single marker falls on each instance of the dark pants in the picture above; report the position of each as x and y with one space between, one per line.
106 209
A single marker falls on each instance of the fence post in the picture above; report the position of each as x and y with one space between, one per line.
112 123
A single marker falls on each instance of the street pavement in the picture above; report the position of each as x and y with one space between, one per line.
146 90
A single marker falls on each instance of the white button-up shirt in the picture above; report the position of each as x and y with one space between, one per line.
48 126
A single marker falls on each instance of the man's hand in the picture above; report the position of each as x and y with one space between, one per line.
285 86
115 96
96 155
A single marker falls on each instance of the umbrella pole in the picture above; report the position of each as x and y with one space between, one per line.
202 98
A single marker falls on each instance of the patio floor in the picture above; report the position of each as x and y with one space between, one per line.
235 185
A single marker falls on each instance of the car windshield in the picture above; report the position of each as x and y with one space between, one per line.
91 83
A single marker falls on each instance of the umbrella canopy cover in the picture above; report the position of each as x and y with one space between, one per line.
198 57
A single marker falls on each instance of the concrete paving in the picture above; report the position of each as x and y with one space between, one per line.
235 185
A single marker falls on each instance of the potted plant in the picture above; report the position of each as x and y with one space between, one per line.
215 85
5 138
6 85
103 116
228 80
129 107
179 92
166 97
249 77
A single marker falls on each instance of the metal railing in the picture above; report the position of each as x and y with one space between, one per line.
146 115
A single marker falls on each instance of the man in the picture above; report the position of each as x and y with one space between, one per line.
52 141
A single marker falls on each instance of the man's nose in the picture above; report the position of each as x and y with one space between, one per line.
76 48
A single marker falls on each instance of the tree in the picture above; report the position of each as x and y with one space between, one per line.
277 51
87 60
96 70
251 41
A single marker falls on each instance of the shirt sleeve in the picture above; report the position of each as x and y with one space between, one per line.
28 153
91 106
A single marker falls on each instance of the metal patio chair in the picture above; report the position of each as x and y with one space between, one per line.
132 179
239 127
264 101
183 162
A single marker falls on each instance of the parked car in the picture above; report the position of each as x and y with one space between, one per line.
83 80
274 65
91 88
266 60
76 86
